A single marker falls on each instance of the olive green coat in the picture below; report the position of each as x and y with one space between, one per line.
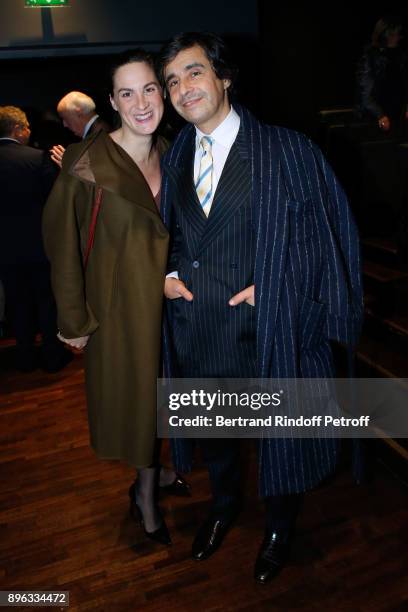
118 301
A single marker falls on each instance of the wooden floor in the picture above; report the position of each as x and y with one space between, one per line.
64 525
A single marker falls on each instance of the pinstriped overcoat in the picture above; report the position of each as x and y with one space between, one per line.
307 283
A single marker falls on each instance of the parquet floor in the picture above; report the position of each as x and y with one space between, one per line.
64 525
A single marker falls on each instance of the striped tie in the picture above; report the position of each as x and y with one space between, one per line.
204 180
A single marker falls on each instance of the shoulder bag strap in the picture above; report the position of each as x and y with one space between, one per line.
95 211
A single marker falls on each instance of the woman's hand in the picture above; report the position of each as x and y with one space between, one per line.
76 343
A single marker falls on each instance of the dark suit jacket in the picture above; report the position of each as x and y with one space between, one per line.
307 281
203 328
26 178
382 83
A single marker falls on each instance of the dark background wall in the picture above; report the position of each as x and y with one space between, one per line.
98 22
309 56
45 53
295 58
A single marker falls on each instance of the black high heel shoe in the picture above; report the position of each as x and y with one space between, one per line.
160 535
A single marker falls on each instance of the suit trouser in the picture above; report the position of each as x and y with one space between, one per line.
221 456
30 304
223 463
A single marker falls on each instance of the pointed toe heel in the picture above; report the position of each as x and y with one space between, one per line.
160 535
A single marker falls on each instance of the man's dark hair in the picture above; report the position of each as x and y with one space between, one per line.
213 46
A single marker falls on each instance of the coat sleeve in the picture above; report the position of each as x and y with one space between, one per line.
175 246
341 283
169 219
49 173
62 243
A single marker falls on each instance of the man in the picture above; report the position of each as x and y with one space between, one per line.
264 271
78 114
26 178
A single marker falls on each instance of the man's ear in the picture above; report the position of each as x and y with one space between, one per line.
14 132
112 101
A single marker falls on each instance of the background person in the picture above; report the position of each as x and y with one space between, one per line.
78 114
26 177
382 76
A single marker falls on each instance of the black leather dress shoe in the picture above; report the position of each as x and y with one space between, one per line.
271 556
209 538
179 487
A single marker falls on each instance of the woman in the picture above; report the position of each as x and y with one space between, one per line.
382 76
108 281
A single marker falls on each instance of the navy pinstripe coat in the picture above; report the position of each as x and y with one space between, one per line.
307 282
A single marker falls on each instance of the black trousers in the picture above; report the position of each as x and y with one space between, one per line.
222 459
30 304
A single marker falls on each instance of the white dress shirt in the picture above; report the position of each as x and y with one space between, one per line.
223 138
88 126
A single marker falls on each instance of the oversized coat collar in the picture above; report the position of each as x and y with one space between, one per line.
269 199
99 161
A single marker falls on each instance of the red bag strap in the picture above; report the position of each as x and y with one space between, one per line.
95 211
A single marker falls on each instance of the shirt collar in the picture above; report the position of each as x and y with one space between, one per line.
88 125
225 133
9 138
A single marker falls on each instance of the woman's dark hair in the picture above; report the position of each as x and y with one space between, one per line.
128 57
383 29
213 46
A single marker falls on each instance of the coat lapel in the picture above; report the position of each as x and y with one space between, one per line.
233 191
271 219
181 176
113 170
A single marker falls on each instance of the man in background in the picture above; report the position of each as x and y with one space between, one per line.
78 114
26 178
